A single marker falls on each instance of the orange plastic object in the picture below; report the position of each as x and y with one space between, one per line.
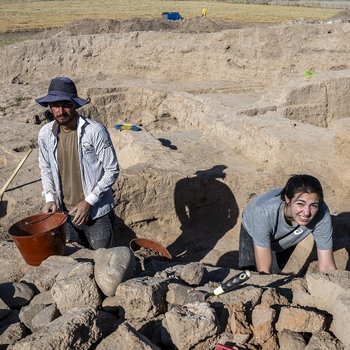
39 236
138 243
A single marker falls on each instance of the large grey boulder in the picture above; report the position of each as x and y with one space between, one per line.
113 266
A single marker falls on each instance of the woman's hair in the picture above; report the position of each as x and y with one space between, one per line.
301 184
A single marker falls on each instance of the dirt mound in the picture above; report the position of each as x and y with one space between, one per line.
341 16
91 26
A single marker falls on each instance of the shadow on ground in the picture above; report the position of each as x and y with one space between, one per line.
207 209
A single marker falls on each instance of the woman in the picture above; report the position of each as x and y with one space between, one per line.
274 222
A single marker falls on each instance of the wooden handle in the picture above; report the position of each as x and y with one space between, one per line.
19 166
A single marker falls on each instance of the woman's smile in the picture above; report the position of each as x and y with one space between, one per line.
302 208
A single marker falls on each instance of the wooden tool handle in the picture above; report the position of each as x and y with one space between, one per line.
19 166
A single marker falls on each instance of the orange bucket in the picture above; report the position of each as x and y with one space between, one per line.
138 243
39 236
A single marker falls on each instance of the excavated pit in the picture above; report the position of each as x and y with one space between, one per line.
226 113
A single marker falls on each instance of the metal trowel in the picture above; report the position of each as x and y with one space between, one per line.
201 295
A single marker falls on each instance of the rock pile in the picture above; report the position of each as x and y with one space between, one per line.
103 300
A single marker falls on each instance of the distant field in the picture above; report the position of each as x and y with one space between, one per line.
22 15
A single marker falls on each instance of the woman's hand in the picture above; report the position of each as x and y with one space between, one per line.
326 260
263 259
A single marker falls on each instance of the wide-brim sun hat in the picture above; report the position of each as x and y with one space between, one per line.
62 89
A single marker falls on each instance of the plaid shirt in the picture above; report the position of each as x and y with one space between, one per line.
98 164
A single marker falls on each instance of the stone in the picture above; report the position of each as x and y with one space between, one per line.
249 296
77 330
113 266
27 313
126 338
323 340
330 292
151 328
270 344
271 297
43 277
325 288
11 334
192 273
301 295
238 323
110 304
263 319
291 340
76 288
43 298
191 324
300 320
341 318
16 294
44 317
142 297
177 293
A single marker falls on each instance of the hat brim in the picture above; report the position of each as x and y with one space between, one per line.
51 98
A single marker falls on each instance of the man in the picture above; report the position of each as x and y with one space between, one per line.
78 167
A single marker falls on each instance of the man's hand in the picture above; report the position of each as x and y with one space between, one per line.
50 207
81 213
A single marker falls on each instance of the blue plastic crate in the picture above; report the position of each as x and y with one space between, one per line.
173 16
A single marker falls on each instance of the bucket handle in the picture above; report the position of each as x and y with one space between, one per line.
46 217
38 220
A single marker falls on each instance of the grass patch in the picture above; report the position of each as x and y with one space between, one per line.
18 100
19 15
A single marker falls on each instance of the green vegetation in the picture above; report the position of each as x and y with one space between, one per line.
19 100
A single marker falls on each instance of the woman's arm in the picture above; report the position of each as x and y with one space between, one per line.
326 260
263 259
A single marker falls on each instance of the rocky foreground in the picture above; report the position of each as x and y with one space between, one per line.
108 299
